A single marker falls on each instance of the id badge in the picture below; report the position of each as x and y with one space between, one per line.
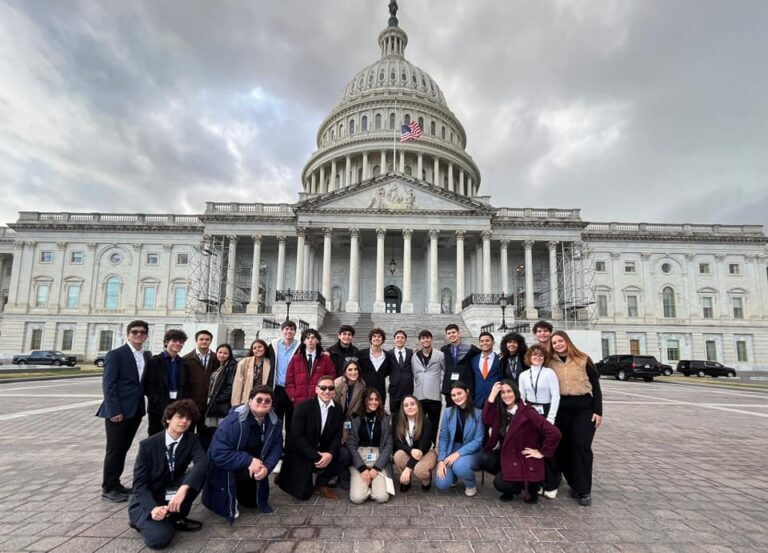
539 408
173 395
371 457
347 425
454 377
170 492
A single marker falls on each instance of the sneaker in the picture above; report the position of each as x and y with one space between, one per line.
470 491
550 494
278 466
237 511
114 496
541 490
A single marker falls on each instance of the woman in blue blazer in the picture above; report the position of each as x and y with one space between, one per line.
461 441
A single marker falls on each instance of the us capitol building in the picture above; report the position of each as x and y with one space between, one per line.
377 233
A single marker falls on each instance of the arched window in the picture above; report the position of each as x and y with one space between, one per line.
378 122
376 170
432 128
341 130
442 133
351 127
364 123
391 120
407 118
112 293
668 301
408 170
333 134
421 122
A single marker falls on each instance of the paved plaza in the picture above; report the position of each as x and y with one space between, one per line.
678 468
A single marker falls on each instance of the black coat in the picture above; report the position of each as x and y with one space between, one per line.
424 443
400 379
156 385
220 394
151 476
304 444
339 356
458 371
373 378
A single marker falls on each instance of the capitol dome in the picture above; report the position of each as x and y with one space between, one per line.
354 143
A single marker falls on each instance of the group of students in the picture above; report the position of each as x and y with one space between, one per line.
527 415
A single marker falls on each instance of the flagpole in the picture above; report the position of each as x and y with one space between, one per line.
394 141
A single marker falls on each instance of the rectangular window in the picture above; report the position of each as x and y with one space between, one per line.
606 347
67 338
629 267
105 340
152 258
734 268
602 305
673 350
710 346
180 297
73 296
741 351
182 259
634 346
706 307
738 308
704 268
600 266
46 257
632 307
36 338
150 293
41 297
76 258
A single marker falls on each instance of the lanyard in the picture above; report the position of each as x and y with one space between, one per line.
370 426
513 367
535 386
171 458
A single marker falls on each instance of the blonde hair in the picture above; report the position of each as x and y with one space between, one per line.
571 351
401 429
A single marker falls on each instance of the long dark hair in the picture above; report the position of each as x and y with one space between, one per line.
229 349
380 413
522 347
257 341
502 409
469 406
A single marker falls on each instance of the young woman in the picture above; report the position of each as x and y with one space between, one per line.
349 396
306 367
253 370
579 415
370 444
220 388
460 442
414 455
512 352
525 438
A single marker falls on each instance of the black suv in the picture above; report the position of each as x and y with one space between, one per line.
624 367
704 368
45 357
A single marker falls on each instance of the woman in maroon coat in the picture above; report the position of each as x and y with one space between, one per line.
524 438
306 367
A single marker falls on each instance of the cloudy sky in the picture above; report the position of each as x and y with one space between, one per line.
631 110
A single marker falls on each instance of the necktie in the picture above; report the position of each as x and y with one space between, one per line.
171 458
309 362
455 355
402 360
485 367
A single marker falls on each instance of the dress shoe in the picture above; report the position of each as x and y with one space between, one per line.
187 525
405 487
125 490
585 500
506 497
426 487
327 493
114 496
531 499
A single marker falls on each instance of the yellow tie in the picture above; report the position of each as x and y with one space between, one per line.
485 367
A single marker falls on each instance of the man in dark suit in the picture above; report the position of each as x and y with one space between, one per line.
486 370
312 445
400 375
166 379
199 365
164 486
123 407
458 356
343 348
374 363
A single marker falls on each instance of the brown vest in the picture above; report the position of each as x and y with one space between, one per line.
572 375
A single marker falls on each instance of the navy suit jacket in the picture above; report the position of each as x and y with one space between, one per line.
480 388
123 392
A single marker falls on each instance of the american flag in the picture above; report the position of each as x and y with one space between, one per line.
411 131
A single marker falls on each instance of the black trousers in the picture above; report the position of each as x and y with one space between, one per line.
573 458
283 407
514 488
345 460
330 472
159 533
119 439
432 409
490 461
154 424
394 406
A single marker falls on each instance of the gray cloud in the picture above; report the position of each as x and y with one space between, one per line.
635 111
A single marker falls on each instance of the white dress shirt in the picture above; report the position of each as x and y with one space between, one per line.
324 413
138 355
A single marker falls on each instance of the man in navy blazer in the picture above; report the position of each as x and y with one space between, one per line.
123 407
484 374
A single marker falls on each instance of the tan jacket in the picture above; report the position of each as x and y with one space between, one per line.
572 376
244 379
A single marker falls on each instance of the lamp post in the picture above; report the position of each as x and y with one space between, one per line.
503 304
287 298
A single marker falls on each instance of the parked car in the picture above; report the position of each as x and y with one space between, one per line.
624 367
704 368
666 370
45 357
99 361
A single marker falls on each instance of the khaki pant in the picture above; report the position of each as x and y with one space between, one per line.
423 469
359 492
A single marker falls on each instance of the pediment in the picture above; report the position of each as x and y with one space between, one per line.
393 194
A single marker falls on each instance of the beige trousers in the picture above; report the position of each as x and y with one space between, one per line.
423 469
359 492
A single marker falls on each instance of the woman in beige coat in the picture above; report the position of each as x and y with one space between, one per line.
254 370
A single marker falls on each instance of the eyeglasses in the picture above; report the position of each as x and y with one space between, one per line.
263 401
537 355
138 332
326 388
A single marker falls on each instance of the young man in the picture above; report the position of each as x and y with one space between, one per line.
457 360
166 379
200 364
542 330
343 348
246 447
428 366
400 375
163 487
123 407
280 352
374 363
306 368
312 445
486 369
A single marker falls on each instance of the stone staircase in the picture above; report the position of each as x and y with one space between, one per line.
411 323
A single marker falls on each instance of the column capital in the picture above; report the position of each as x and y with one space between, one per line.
552 244
750 257
282 238
615 255
232 237
486 234
169 247
354 231
505 244
433 233
256 238
137 247
327 232
61 245
407 233
381 232
301 231
92 245
460 234
719 257
528 244
645 256
30 243
690 256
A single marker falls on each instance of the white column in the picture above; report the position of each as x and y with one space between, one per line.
420 167
434 292
306 282
253 304
402 161
299 280
486 261
280 278
450 176
383 162
554 294
406 306
479 268
459 270
378 305
365 166
436 173
231 274
530 310
504 263
322 186
13 289
347 171
470 187
461 182
353 302
651 297
332 182
326 286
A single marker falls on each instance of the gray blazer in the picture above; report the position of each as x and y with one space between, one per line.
428 380
384 462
